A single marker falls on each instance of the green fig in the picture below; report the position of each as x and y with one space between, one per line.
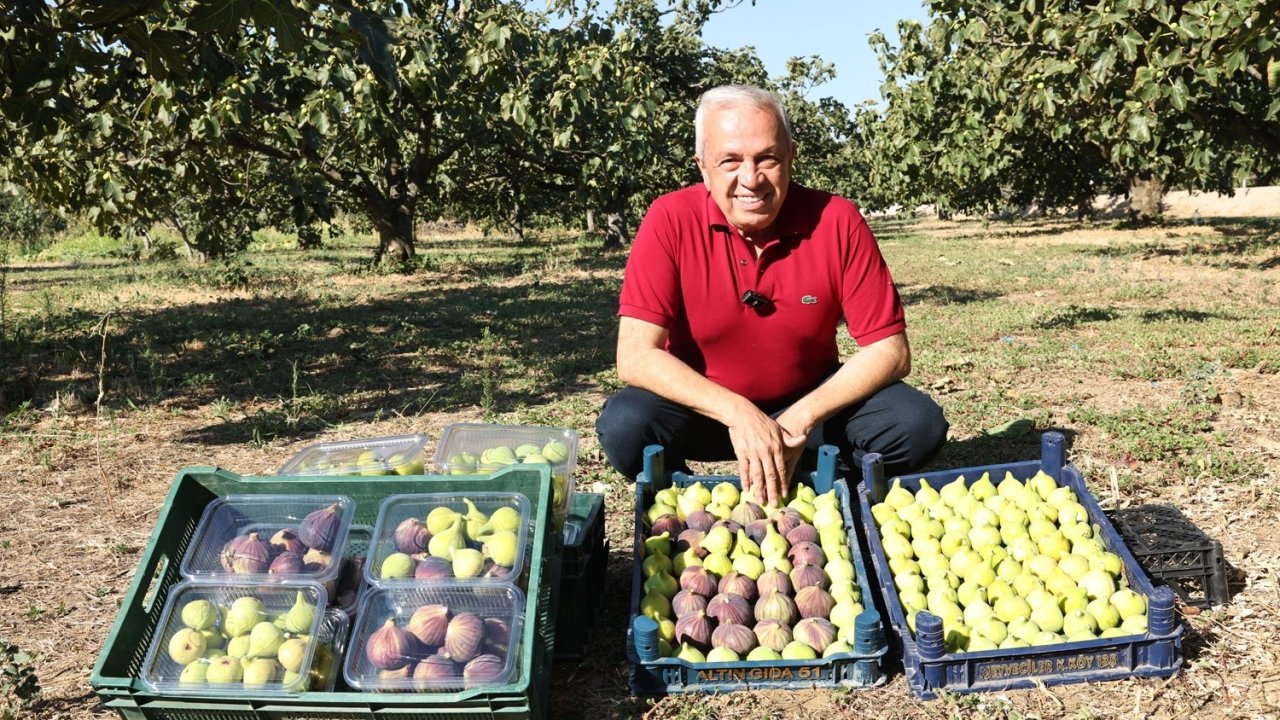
773 544
186 646
475 519
898 497
467 563
301 616
238 647
504 518
259 671
439 519
501 547
199 614
264 640
195 672
445 542
225 669
292 654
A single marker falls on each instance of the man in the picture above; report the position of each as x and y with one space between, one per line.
728 316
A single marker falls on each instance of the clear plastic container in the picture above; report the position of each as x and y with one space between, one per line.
394 455
267 538
436 638
236 639
350 581
478 537
482 448
331 648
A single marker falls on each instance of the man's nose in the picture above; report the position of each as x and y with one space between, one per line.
748 174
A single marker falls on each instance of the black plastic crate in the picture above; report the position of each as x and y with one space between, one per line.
1172 550
582 576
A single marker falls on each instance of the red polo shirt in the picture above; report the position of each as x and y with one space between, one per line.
688 269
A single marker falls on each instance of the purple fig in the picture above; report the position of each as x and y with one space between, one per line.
434 670
804 532
691 539
400 673
688 601
806 553
428 624
815 632
389 647
482 670
667 524
776 606
731 525
497 637
738 638
286 540
813 601
700 520
319 529
773 581
431 568
317 560
695 629
411 536
802 576
494 570
745 513
247 554
758 529
738 584
464 636
787 519
772 634
696 578
730 608
286 563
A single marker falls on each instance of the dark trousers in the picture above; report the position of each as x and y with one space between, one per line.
901 423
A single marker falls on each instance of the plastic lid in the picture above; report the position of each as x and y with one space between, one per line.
483 448
436 638
394 455
235 638
477 537
267 538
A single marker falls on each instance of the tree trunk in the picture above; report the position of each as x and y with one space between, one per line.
616 234
591 220
1145 193
394 222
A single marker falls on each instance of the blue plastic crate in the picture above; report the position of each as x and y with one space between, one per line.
930 670
655 675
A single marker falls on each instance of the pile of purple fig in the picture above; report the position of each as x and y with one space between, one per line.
305 549
436 648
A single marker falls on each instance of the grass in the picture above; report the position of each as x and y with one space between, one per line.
1130 341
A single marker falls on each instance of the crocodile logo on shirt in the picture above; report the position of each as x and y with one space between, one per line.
809 300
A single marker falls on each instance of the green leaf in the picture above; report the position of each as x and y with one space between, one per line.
217 16
1139 128
1178 95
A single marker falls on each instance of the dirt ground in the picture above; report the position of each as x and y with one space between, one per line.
82 495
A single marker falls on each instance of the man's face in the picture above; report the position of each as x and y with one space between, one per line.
746 165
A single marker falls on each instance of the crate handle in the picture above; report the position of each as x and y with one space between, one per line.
1053 454
825 476
655 468
150 586
644 631
873 476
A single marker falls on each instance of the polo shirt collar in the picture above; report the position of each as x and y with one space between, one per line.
790 219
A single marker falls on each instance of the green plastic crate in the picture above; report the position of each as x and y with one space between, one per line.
115 673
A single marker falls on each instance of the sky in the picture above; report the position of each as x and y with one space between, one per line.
835 30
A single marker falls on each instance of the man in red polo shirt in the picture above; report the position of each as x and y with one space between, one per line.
730 305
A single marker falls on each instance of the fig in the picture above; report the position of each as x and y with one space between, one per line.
246 554
432 568
446 541
259 671
773 581
286 563
434 669
428 624
731 609
292 653
287 540
463 637
776 606
186 646
319 529
802 576
317 560
745 513
440 518
733 526
199 614
694 629
225 669
482 670
804 532
400 673
389 647
493 570
265 640
758 530
738 584
813 601
497 636
772 634
806 553
411 536
815 632
300 616
699 580
787 519
738 638
396 566
688 601
700 520
690 539
244 613
467 563
501 546
669 524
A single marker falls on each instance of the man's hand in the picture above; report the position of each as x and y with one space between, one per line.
767 454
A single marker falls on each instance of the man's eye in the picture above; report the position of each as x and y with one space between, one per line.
768 163
729 165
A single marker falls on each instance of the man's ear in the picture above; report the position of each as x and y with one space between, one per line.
706 182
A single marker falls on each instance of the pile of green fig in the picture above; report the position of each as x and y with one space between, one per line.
364 462
450 544
729 578
438 648
242 643
304 549
1005 566
497 457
